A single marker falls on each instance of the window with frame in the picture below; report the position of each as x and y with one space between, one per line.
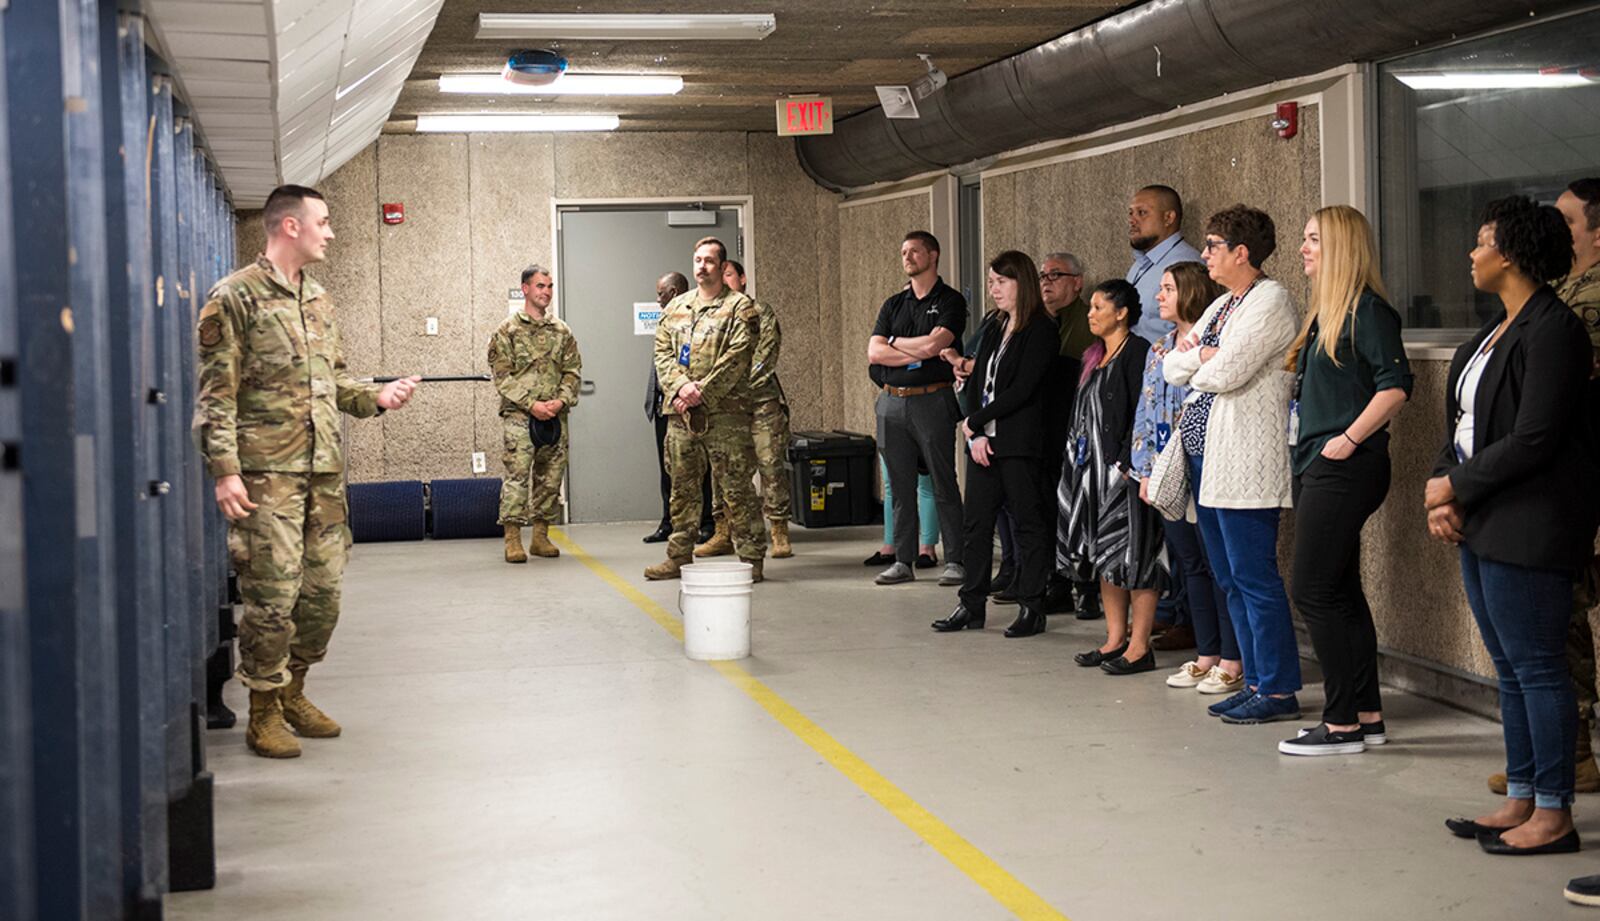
1516 112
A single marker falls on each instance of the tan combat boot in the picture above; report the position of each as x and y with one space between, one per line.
302 714
666 569
781 550
539 542
267 734
755 571
1586 775
514 551
721 542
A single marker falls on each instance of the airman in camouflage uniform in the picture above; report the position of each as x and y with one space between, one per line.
703 348
535 364
769 429
1580 290
272 384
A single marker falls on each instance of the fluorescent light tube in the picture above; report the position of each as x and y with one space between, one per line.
626 26
1492 80
565 85
468 124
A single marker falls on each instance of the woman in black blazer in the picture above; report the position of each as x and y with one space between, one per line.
1004 430
1514 488
1106 531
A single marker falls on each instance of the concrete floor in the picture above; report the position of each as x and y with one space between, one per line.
524 742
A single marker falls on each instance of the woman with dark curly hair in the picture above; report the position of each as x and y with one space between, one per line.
1509 490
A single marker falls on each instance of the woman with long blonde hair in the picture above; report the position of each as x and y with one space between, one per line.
1350 379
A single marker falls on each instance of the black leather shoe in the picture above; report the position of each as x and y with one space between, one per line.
1121 665
878 559
959 619
1029 622
926 561
1466 828
1002 579
1058 597
1094 656
1089 609
659 534
1004 596
1492 843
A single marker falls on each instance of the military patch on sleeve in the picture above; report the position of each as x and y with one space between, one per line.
210 327
1591 316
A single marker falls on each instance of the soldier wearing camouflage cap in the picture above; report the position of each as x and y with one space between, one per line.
272 385
703 350
535 364
769 408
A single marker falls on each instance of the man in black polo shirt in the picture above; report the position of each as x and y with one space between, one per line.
917 411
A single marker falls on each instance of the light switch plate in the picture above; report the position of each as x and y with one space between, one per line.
432 326
479 463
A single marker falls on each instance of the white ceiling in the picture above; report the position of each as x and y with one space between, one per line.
288 90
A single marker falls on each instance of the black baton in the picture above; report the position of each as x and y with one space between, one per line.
428 380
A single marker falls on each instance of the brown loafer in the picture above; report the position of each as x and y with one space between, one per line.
1176 638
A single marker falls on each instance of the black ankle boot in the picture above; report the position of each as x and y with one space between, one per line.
959 619
1030 621
1089 603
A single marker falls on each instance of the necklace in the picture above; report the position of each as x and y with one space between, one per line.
1113 354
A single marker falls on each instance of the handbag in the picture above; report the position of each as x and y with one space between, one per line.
1169 481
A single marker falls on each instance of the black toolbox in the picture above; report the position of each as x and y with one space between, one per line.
831 478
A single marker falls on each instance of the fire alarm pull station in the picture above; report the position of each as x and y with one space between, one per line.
394 213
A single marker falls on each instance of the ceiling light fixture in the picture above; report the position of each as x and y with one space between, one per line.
626 26
471 124
566 85
1494 80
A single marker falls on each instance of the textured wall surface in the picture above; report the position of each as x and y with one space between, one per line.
478 211
1082 205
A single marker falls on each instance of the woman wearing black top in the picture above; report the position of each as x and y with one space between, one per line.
1106 531
1513 487
1004 432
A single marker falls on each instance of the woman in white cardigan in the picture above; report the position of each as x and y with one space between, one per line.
1234 430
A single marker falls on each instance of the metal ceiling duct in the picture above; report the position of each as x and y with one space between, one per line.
1139 62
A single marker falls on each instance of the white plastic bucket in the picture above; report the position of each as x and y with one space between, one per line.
715 603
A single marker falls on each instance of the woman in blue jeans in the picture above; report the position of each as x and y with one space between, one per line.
1234 428
1513 488
1185 293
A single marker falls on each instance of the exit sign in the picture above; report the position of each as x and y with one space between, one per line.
805 115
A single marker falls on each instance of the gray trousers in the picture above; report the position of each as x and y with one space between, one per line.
921 426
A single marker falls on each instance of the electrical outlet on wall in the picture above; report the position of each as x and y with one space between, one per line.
431 326
479 463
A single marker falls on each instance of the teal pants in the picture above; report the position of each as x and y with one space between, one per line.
927 510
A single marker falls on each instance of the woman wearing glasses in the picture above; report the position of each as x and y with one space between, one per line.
1233 430
1510 489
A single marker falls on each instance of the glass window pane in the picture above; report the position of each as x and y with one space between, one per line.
1512 113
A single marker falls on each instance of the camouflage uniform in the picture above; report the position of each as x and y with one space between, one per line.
531 360
769 423
272 385
1581 292
712 343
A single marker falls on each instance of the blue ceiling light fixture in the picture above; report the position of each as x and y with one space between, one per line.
534 67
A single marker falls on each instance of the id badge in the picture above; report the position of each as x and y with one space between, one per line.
1163 435
1294 422
683 355
1080 451
914 366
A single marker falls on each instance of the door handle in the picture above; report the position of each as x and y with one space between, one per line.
586 387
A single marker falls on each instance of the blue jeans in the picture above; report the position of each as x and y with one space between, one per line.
1523 614
1242 545
1207 602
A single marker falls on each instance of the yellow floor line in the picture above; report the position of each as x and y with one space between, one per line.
1005 888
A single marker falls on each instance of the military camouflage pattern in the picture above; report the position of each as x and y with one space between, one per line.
290 554
769 429
1582 293
272 377
726 445
531 490
764 384
534 359
720 336
1580 660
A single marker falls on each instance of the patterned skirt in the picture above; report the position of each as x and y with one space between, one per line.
1103 529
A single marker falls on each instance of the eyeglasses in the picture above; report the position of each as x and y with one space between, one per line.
1053 277
1211 244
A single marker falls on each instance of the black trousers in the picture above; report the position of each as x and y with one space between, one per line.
1016 484
1332 500
666 482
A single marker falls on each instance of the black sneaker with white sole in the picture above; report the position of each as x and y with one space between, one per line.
1371 733
1585 890
1323 741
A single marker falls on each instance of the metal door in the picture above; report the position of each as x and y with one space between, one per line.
608 260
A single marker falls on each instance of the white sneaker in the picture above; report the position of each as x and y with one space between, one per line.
1187 676
954 574
897 573
1218 681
